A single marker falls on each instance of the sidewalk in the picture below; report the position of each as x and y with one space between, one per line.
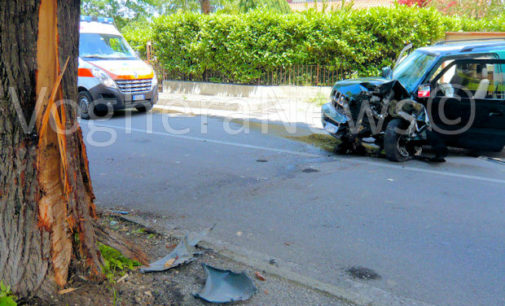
282 286
183 281
283 110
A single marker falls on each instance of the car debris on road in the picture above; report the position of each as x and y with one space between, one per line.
226 286
183 253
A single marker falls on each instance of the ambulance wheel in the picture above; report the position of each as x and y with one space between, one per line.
85 104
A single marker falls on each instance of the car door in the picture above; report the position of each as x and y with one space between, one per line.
476 100
485 109
443 103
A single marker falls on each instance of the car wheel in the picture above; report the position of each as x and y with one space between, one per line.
144 108
85 104
396 145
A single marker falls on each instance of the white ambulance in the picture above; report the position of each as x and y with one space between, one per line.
111 75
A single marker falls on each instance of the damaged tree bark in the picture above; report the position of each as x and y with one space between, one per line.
46 197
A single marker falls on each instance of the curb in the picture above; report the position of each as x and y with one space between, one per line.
360 294
247 105
247 91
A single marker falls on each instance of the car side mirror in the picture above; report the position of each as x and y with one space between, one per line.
387 72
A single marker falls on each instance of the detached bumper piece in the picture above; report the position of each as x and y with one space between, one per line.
183 253
332 119
225 286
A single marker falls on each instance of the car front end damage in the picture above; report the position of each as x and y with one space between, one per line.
362 109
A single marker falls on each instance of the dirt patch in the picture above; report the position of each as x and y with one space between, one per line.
175 286
132 287
325 142
330 144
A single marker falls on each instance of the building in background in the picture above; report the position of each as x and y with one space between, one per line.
302 5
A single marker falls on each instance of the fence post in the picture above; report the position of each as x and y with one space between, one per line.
149 51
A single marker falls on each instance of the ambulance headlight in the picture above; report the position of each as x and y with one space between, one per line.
104 78
154 83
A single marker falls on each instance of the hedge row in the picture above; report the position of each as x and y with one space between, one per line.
245 46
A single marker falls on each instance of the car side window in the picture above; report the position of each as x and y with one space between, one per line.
467 79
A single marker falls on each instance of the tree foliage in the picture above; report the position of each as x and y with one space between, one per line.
419 3
123 11
245 47
126 12
280 6
470 8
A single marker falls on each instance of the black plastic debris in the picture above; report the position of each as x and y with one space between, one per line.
183 253
273 262
119 212
225 286
363 273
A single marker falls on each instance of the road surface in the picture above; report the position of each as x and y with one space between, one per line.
433 232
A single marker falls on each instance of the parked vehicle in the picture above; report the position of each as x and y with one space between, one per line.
448 94
111 75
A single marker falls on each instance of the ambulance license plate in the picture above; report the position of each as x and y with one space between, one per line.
138 97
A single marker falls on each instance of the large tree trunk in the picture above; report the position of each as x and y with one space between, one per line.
205 6
46 198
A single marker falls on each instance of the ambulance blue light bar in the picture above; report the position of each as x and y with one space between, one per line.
97 19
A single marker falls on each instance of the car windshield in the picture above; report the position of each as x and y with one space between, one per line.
412 68
104 46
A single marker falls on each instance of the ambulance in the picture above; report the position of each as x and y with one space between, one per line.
111 75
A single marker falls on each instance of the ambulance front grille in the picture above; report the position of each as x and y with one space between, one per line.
134 86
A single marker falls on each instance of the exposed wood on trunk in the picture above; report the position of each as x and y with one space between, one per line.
46 195
50 166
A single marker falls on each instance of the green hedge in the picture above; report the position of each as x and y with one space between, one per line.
243 47
138 34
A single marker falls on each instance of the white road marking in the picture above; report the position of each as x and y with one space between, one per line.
361 161
437 172
201 139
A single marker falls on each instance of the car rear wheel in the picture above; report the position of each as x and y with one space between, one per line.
396 144
85 104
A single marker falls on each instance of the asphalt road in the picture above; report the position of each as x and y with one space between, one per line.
433 232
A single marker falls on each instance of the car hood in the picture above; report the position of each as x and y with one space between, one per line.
125 69
355 87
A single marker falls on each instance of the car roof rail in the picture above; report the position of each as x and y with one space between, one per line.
471 48
447 42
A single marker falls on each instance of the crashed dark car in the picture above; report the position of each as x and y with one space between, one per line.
448 94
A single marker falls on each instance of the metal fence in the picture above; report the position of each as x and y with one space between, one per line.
301 75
